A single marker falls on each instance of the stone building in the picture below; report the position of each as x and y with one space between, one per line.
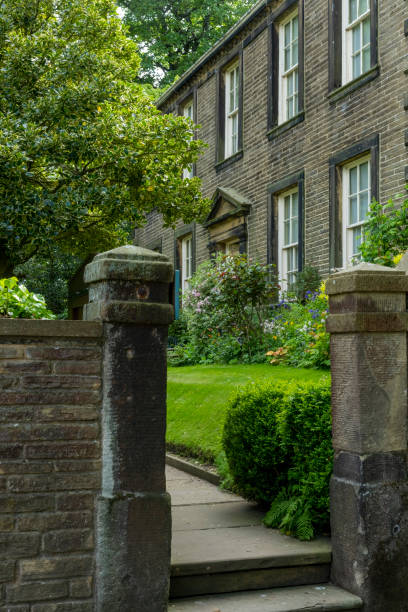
303 105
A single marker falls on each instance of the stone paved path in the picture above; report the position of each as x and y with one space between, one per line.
224 559
211 525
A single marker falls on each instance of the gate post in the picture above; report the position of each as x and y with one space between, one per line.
369 492
129 293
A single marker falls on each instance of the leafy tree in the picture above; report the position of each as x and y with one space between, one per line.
49 276
84 155
386 231
173 34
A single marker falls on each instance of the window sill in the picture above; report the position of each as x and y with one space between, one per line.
284 127
224 163
348 88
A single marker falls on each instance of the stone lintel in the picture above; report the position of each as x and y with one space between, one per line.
374 468
142 313
367 322
368 278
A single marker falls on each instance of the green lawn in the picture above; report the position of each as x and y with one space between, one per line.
197 398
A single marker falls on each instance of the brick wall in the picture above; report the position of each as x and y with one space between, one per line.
329 127
50 381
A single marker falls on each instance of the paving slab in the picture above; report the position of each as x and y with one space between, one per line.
321 598
189 490
173 473
213 516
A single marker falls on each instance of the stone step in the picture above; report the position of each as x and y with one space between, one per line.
219 544
314 598
225 559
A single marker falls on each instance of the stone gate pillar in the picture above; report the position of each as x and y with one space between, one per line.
129 293
369 492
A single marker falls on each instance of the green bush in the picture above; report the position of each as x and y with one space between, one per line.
17 302
277 439
257 461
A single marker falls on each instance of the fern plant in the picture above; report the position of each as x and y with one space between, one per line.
277 441
291 515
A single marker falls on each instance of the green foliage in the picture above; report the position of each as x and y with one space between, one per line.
277 439
172 35
225 307
291 516
84 154
307 281
16 302
385 231
178 333
257 460
296 332
227 481
50 276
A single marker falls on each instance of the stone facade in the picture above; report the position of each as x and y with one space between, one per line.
336 124
50 380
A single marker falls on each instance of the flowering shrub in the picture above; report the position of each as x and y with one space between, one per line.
296 332
226 308
231 314
17 302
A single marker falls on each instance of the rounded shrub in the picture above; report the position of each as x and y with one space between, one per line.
257 460
277 439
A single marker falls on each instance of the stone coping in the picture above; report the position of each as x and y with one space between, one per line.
192 468
46 328
372 281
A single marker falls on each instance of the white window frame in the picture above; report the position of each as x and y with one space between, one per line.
283 248
348 229
188 112
232 118
186 261
347 40
289 73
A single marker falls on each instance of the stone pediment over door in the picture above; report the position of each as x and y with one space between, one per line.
227 222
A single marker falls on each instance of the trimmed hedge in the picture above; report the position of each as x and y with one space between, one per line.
277 439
